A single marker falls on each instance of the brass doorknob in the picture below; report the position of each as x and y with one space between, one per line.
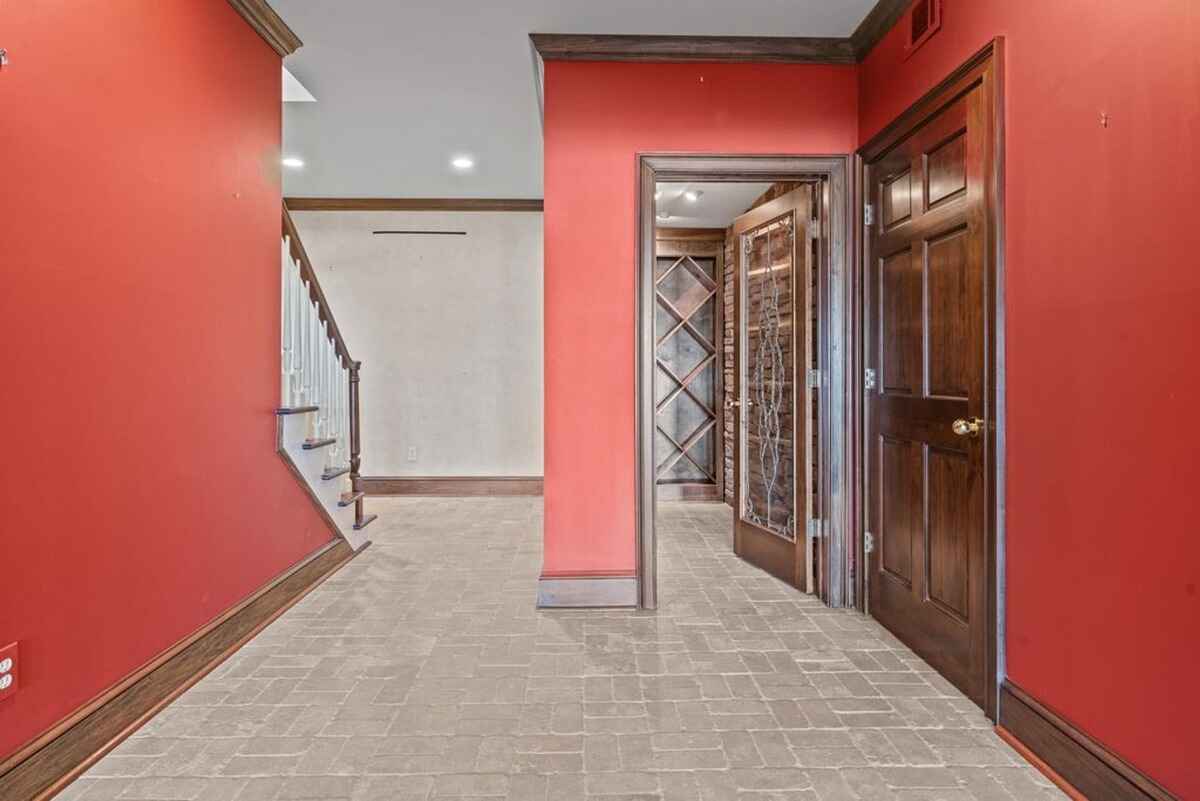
967 428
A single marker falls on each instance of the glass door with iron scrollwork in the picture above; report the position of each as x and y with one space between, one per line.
770 422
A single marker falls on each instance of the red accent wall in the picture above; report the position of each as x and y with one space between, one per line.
139 310
1103 310
598 117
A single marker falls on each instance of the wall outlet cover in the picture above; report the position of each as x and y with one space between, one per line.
8 659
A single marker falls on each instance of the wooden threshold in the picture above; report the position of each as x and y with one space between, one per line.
50 762
453 486
413 204
1077 763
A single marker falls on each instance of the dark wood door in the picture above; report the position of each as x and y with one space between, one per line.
927 385
771 447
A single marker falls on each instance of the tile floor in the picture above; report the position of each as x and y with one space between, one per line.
423 671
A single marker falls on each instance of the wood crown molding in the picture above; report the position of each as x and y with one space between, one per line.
269 25
413 204
453 486
781 49
621 47
1067 755
51 761
879 20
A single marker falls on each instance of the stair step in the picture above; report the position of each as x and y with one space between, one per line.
296 409
349 498
332 473
366 521
313 444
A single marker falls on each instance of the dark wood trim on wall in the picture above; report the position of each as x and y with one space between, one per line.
620 47
453 486
1067 755
530 204
876 24
269 25
52 761
781 49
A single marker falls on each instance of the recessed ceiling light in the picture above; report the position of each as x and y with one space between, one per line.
294 162
693 195
462 162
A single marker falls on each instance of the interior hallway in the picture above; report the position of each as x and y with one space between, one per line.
422 670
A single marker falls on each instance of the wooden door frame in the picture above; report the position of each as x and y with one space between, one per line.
834 282
987 65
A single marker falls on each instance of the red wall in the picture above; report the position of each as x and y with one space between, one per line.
597 118
1103 311
139 305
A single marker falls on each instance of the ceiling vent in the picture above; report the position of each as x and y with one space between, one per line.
923 21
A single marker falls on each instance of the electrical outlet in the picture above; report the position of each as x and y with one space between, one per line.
8 670
412 453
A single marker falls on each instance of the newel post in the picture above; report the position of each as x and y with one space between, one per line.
355 442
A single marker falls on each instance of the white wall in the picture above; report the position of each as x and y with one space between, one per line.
449 330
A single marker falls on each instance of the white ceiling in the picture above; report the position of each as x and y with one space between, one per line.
717 206
403 85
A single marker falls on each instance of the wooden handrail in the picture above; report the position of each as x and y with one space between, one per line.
309 274
317 295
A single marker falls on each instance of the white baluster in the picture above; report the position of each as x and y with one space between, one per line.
323 379
293 331
303 328
284 343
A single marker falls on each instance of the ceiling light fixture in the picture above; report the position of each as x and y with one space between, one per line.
293 161
462 162
693 195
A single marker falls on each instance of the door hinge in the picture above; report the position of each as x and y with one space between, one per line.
869 378
747 245
814 379
868 542
814 529
868 214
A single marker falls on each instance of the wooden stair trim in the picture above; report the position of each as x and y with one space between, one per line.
50 762
330 475
286 410
313 444
308 273
350 498
359 525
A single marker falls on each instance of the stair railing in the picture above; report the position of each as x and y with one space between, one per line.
317 371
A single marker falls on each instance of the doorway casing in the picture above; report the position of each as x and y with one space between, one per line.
833 536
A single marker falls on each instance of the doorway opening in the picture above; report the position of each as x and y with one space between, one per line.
742 359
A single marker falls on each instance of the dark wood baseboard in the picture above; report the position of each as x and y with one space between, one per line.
50 762
453 486
1070 757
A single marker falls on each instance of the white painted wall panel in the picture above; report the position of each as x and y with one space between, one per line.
449 330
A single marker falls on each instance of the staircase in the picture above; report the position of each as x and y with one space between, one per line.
319 428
